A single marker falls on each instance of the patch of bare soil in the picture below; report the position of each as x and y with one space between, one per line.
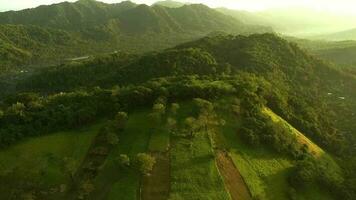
157 185
232 177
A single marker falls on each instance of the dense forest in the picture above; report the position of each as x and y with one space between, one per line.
171 101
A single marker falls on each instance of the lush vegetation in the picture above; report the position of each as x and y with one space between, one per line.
282 117
58 33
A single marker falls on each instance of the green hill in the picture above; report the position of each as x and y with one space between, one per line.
89 27
301 147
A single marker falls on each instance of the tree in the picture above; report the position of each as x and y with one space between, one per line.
112 138
159 108
191 125
121 120
86 188
69 166
123 160
171 124
174 108
144 163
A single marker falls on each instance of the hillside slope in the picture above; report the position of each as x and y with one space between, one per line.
305 94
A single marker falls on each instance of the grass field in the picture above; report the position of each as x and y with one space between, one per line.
38 160
194 173
190 165
117 183
159 141
264 170
302 139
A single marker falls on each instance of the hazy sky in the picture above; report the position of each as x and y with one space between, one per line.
336 6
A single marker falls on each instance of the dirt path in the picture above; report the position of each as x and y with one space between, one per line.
232 177
157 185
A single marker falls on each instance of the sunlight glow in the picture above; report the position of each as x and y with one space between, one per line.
341 7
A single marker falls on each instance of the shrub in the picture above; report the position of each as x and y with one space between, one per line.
123 160
144 163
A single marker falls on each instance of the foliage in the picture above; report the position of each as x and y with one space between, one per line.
144 163
123 160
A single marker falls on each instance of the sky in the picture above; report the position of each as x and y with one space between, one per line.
341 7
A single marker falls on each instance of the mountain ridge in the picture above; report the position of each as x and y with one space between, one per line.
122 26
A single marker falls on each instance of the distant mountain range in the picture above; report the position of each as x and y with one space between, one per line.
295 21
170 3
342 35
88 26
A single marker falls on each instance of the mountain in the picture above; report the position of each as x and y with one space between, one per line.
68 16
295 21
342 35
170 4
247 17
88 27
342 53
343 56
265 101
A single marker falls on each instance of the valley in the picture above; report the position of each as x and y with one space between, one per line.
176 101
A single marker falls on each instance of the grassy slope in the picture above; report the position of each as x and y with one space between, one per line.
194 171
38 159
265 171
119 183
315 149
159 141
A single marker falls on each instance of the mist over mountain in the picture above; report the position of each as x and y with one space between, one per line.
296 21
349 34
170 3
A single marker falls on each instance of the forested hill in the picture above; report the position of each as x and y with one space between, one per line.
298 78
126 17
89 27
264 70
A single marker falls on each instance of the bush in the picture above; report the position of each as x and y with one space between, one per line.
144 163
121 120
112 138
123 160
